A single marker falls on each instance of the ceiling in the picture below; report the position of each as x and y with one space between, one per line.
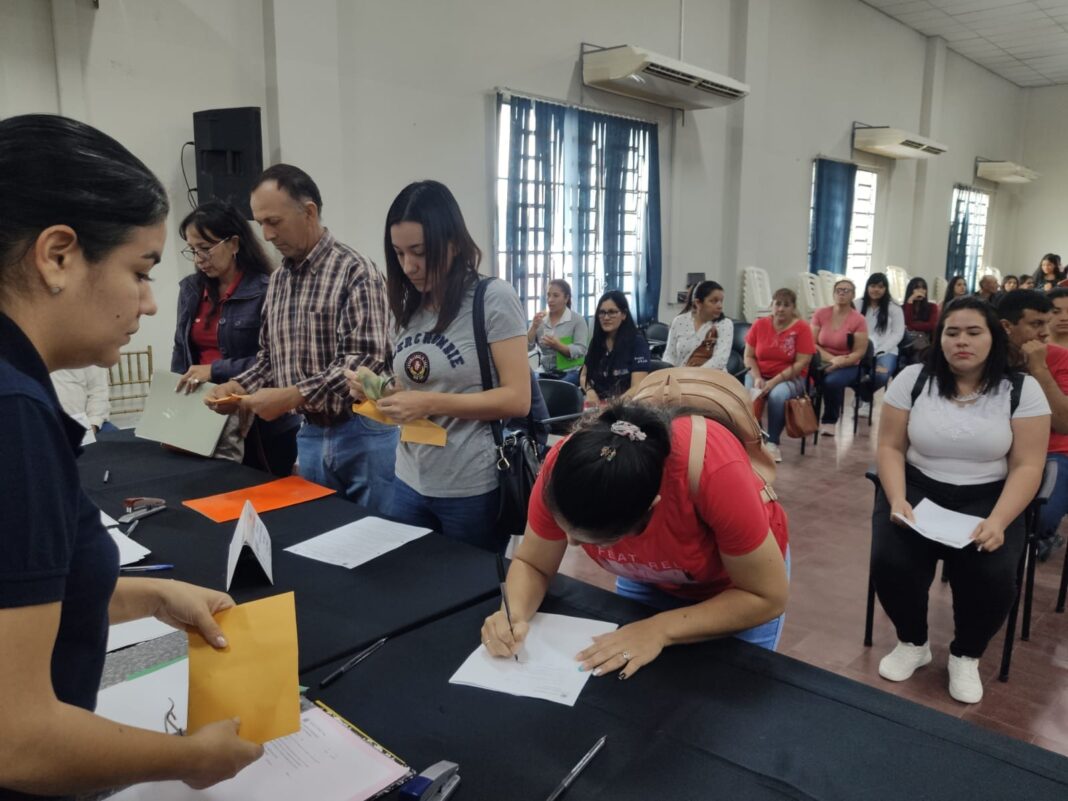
1024 42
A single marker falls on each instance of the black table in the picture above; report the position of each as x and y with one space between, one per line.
718 720
339 611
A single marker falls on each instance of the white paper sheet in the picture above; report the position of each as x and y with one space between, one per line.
250 531
108 520
547 667
123 634
144 701
355 543
324 761
942 525
90 435
129 551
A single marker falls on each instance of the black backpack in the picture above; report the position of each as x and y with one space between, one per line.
1014 398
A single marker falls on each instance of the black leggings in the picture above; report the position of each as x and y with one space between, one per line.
903 566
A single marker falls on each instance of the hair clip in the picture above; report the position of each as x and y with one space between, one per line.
628 430
608 453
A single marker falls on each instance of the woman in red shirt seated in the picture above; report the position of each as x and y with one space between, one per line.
831 328
714 561
921 320
777 352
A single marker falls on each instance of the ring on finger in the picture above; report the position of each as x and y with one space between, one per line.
626 656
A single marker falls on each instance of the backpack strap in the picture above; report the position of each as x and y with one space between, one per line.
696 464
1017 392
921 382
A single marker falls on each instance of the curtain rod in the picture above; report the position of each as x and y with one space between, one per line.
504 90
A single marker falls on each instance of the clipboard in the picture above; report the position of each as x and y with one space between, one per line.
375 745
179 420
565 363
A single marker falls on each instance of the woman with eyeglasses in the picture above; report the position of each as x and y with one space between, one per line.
218 331
833 327
618 356
82 224
710 561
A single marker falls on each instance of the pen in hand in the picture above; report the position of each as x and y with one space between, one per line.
502 578
145 568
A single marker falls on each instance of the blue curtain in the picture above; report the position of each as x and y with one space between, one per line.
647 284
832 215
958 261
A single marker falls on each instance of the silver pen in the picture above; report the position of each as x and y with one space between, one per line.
575 771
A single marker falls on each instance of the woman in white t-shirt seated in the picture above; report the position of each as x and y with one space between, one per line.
701 336
972 439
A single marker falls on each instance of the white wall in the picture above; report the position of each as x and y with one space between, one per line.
371 95
1042 226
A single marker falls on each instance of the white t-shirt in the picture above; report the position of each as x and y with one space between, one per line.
962 445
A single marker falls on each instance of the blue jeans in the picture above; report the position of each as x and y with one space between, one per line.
1057 506
356 458
776 404
766 635
471 520
834 386
107 425
885 365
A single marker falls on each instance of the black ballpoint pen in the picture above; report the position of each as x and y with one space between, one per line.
575 771
362 655
502 577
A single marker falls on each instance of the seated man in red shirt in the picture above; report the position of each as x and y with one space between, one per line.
714 561
1026 314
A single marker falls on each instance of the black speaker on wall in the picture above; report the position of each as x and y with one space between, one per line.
229 154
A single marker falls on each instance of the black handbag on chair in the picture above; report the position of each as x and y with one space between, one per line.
516 449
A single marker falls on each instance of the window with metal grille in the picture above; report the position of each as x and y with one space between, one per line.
578 199
862 227
967 232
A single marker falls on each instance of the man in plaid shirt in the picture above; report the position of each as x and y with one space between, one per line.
325 312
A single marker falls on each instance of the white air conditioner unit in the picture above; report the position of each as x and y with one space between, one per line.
1005 172
895 143
635 72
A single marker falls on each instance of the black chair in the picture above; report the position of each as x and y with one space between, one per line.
658 364
656 333
564 402
1063 591
862 386
736 362
1027 561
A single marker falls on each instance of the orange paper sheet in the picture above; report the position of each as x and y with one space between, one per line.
421 432
278 494
255 677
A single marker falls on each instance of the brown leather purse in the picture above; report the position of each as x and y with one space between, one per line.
703 352
800 417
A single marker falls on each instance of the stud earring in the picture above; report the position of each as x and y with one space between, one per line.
56 289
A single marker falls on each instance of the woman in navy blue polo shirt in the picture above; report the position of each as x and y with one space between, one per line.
81 226
618 356
218 332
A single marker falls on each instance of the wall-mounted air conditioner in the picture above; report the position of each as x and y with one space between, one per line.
636 72
895 143
1004 172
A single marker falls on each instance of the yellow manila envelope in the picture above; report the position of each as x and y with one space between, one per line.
421 432
255 677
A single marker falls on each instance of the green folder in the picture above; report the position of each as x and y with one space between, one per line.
563 363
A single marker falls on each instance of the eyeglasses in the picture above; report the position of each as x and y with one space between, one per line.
193 254
608 312
844 290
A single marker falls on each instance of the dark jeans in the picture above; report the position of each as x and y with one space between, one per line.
903 566
834 386
471 520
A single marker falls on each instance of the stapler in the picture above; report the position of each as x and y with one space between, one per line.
139 507
436 783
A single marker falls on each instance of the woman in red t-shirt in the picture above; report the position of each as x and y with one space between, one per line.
714 561
921 320
777 352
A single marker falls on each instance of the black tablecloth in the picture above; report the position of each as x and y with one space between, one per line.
716 720
338 611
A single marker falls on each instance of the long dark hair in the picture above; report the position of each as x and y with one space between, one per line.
699 293
564 287
433 206
1005 283
876 279
58 171
1058 273
949 289
996 368
603 483
216 221
921 309
625 334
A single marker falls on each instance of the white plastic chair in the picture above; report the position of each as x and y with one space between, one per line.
940 287
756 293
898 280
809 294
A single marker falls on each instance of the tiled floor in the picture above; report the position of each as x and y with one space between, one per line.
829 504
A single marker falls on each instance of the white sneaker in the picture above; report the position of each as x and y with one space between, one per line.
773 449
902 662
964 682
826 429
863 410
